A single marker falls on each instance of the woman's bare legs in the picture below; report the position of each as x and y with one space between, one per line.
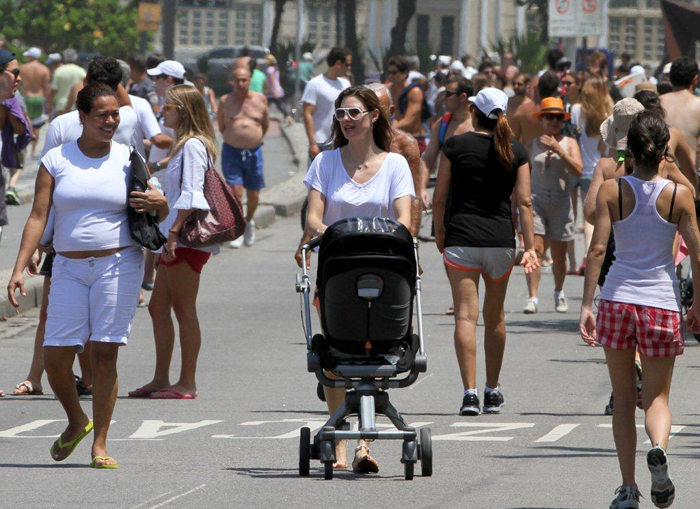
656 388
465 294
494 328
533 278
36 370
103 357
160 308
623 378
558 263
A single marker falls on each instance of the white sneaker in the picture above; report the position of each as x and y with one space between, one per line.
662 489
530 307
561 306
235 244
249 235
627 498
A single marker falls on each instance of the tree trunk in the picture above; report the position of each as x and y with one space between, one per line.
407 8
168 28
358 62
279 11
339 39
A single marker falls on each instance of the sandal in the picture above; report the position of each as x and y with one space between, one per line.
58 445
29 392
82 389
103 465
142 392
365 464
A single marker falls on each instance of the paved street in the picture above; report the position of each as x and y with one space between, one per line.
237 444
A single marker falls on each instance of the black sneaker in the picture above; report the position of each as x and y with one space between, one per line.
470 405
493 401
11 197
662 489
609 406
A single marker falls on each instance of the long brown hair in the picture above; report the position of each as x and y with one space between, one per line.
502 135
381 130
194 119
596 104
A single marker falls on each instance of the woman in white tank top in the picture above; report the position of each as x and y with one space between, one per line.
639 305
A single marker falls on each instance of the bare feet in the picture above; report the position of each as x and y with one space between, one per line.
146 390
363 462
341 454
72 431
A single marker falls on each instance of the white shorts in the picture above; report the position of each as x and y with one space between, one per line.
93 298
493 262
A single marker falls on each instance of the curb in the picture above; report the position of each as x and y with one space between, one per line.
34 287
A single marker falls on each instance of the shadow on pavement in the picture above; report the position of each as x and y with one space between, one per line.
45 465
564 414
315 474
569 326
579 361
562 452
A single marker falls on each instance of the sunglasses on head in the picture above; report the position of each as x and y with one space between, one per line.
351 113
553 116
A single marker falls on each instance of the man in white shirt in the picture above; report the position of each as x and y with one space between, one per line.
67 127
318 101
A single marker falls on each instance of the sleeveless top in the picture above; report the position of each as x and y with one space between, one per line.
549 176
444 123
643 273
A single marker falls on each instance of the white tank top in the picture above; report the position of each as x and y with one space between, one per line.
643 271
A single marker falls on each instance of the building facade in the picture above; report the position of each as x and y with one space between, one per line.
448 27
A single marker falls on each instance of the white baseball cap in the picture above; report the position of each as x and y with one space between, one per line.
489 100
32 53
53 58
169 68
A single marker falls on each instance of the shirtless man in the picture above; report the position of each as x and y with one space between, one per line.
456 121
524 125
408 98
681 105
36 85
243 119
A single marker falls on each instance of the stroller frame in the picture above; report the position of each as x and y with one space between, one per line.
366 396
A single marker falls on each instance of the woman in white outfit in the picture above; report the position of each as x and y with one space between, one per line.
98 268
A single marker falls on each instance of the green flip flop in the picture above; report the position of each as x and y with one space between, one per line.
58 446
103 458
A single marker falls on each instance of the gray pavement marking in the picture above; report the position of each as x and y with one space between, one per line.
153 499
178 496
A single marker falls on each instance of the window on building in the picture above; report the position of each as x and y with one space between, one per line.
623 35
247 24
654 39
447 35
422 28
320 26
202 27
615 4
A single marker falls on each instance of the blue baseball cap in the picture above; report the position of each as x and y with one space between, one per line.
6 57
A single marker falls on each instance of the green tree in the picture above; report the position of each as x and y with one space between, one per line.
100 26
540 8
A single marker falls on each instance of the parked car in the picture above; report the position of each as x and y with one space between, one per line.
216 64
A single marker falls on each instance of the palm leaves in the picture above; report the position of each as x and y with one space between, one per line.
528 50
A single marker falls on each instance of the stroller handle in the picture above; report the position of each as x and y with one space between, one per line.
313 243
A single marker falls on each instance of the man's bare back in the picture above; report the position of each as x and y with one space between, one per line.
36 79
525 127
683 113
407 146
244 121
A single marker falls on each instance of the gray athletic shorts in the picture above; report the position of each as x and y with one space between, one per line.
553 215
493 262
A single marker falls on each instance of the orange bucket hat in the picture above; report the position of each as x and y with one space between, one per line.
552 105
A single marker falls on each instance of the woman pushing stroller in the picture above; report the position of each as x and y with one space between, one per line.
360 178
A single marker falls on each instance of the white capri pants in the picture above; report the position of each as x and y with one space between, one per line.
94 298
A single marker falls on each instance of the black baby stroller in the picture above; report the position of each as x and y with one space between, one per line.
367 280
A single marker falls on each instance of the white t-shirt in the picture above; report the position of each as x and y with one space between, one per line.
590 146
322 93
67 127
147 123
156 154
346 198
89 198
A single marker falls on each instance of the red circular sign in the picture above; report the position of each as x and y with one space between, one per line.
562 6
590 6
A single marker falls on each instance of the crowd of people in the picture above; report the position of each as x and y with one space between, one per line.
512 155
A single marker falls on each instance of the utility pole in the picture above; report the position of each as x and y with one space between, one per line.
301 18
169 29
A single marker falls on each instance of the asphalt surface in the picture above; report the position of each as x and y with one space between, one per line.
236 445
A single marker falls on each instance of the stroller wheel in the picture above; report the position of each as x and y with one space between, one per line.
408 470
328 470
697 337
426 452
304 451
319 392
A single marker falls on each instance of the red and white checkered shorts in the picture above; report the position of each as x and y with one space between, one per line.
657 332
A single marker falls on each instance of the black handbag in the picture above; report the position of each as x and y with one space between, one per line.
143 227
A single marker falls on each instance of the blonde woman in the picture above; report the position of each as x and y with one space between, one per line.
179 268
595 105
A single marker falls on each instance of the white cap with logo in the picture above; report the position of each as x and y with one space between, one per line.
169 68
490 99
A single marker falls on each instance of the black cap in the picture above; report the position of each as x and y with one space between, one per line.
6 57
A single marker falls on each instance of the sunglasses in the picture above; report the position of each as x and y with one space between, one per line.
449 94
392 73
518 84
160 77
553 116
14 72
351 113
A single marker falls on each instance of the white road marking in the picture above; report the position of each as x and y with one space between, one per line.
674 430
492 427
14 432
152 499
152 429
421 381
558 432
178 496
